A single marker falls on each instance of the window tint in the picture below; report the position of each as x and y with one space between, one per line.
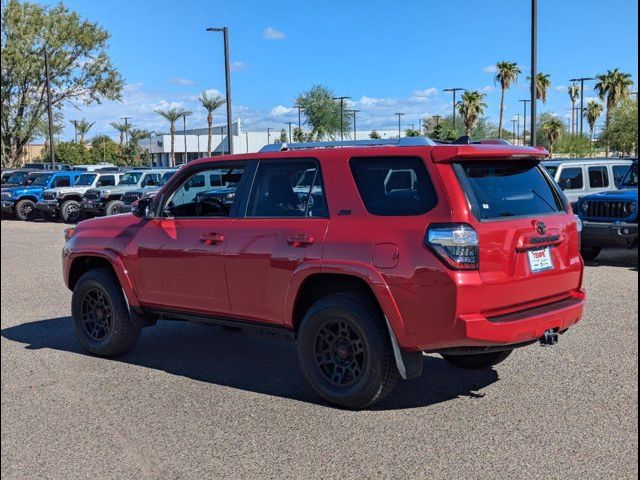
193 198
619 171
106 180
571 179
509 188
62 181
598 177
215 180
282 189
394 186
151 180
552 170
631 178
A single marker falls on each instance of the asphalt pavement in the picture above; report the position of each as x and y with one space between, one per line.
199 402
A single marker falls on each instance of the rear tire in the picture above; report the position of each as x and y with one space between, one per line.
344 351
589 253
25 209
100 315
477 361
112 207
70 211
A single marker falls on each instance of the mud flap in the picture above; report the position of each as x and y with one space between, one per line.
409 364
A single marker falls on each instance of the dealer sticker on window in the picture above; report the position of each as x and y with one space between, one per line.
540 260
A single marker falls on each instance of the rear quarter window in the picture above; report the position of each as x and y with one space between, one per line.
506 189
394 186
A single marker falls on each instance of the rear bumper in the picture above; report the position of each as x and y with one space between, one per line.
617 234
525 325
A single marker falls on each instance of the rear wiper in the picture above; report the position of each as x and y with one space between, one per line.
507 214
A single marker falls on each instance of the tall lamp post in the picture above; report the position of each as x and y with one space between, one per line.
534 70
184 134
49 109
454 91
150 152
290 137
524 120
227 76
126 130
269 134
299 107
399 114
355 112
581 80
518 128
342 99
513 121
75 130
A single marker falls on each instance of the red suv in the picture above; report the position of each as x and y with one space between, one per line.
367 254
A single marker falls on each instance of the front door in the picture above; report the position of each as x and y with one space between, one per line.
284 224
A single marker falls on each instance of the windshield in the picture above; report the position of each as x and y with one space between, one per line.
631 178
17 177
130 178
86 179
42 180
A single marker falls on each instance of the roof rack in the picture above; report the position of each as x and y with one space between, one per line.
466 140
401 142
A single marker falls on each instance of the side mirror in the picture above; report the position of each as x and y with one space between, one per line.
142 208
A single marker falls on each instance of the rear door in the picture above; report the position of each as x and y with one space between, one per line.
528 241
283 225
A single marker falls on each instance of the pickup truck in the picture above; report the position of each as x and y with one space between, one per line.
610 219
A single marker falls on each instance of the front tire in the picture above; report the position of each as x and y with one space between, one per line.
100 315
25 209
70 211
477 361
112 207
589 253
344 351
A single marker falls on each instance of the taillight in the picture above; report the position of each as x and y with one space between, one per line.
456 244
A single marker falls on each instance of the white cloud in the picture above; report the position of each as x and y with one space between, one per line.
270 33
561 88
280 111
490 69
488 88
235 66
427 92
184 82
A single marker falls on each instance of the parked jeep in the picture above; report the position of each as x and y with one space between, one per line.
65 201
108 200
20 177
21 201
470 251
128 198
610 219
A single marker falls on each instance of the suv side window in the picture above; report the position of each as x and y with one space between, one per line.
598 177
106 181
193 198
571 179
62 181
394 186
282 190
619 171
151 180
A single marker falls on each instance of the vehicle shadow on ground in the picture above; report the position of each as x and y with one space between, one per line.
249 362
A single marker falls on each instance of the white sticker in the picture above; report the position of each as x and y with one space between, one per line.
485 206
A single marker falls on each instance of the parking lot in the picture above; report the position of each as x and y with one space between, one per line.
197 401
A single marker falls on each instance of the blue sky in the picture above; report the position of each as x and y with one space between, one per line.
387 56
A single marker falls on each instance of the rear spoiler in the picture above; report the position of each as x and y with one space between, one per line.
451 153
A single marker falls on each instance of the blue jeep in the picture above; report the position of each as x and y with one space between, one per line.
21 201
610 219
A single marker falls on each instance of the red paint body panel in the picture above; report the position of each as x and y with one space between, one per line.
255 267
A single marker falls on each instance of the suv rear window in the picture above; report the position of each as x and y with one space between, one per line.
394 186
509 188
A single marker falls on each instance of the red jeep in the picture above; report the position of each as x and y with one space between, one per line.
367 254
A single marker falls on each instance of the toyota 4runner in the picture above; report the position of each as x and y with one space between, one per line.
392 249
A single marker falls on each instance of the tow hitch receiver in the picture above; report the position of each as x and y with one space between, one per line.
549 338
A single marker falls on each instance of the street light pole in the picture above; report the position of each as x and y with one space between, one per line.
399 114
454 91
354 123
518 129
513 121
227 76
269 135
524 121
75 130
290 137
581 80
534 70
342 99
49 109
299 107
184 135
126 131
150 153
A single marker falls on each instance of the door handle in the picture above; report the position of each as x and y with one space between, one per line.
300 240
211 238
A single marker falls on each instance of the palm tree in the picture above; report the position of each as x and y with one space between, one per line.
210 104
543 83
506 75
612 86
591 113
173 115
123 128
137 134
553 129
574 94
471 108
83 126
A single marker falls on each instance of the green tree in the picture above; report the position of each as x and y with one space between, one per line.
122 128
622 132
374 135
574 94
69 152
283 138
323 113
299 135
552 128
577 146
507 74
543 83
471 107
210 104
104 149
410 132
81 70
172 115
82 127
613 87
592 112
